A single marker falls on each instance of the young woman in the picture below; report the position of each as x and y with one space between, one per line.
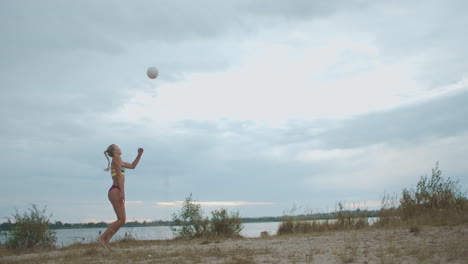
117 190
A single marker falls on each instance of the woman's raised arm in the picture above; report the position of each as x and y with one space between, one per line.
135 162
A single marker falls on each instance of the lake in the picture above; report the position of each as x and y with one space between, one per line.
67 237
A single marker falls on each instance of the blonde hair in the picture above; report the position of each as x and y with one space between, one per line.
109 152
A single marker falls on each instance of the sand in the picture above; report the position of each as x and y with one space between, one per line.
446 244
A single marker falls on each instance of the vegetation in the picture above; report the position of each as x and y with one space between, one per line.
189 223
224 224
436 197
340 220
30 230
435 200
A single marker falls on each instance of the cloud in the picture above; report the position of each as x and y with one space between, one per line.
275 100
328 160
429 32
436 117
129 38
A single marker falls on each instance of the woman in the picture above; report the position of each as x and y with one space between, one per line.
117 190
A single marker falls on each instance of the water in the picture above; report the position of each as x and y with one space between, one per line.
67 237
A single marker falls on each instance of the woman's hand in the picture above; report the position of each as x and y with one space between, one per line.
140 151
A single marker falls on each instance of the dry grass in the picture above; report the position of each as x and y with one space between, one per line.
349 249
343 220
170 251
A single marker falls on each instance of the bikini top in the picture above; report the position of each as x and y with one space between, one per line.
122 170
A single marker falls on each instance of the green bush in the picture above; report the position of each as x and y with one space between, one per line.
31 229
189 223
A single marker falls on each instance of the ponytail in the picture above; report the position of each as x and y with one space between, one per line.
109 152
108 161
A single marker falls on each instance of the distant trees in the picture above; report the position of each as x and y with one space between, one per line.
60 225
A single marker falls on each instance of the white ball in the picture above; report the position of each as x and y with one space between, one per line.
152 72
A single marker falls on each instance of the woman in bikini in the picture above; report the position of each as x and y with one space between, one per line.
117 190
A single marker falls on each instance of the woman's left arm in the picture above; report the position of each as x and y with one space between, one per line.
135 162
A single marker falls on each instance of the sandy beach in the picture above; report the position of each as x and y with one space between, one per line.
446 244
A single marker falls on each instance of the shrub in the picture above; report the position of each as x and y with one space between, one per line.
31 229
225 225
434 199
189 223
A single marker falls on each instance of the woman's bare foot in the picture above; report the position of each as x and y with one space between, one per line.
103 244
109 246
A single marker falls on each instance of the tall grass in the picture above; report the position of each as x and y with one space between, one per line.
389 213
341 220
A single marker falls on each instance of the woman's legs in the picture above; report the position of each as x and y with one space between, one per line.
119 208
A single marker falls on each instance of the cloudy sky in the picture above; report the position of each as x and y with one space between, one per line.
261 106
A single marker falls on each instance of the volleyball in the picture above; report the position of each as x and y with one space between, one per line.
152 72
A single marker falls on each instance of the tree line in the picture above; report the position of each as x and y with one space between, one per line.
318 216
